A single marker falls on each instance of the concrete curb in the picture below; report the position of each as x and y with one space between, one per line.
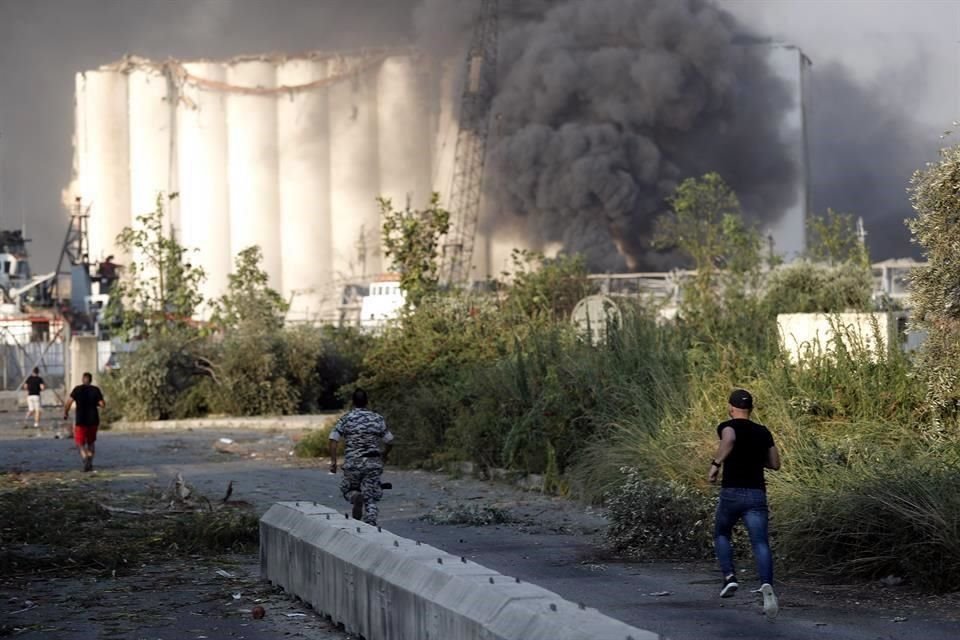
384 587
250 424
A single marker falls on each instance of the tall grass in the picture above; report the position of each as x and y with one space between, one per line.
864 490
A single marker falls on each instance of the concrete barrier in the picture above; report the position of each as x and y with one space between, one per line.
318 421
384 587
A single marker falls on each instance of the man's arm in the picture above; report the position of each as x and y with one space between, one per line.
334 446
66 407
773 458
387 439
727 438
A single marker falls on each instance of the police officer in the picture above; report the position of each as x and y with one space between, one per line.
362 432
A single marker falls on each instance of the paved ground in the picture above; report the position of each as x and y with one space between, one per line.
552 543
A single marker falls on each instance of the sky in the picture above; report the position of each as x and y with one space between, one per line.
897 59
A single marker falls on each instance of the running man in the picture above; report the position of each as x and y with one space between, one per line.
34 385
362 432
745 450
89 401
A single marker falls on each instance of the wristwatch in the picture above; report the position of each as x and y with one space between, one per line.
714 463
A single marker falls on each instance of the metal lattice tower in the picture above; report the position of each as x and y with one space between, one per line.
76 244
466 191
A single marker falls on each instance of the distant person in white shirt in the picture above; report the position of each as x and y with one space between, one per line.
34 385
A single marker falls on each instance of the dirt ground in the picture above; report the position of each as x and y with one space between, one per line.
549 541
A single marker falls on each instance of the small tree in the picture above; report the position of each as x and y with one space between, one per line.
832 238
549 287
411 239
253 358
935 288
159 291
706 226
249 297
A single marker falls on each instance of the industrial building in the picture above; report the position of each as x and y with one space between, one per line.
285 152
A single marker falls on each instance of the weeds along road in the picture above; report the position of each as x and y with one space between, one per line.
548 541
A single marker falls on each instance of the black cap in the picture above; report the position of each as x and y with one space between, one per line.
741 399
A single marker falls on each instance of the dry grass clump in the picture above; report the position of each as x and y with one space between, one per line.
58 528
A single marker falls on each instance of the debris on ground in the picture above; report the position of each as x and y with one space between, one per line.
110 534
473 515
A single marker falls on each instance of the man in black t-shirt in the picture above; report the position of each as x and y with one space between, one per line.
34 385
745 450
89 400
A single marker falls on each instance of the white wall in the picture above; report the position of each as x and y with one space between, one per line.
812 334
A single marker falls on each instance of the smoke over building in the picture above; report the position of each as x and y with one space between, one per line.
602 108
605 105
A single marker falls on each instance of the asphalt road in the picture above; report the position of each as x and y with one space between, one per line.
554 542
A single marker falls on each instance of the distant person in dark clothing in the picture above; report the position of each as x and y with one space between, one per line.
107 273
366 444
34 385
745 450
89 400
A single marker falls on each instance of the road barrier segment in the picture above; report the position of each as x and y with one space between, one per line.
385 587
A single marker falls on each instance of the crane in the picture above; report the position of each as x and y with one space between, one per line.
470 154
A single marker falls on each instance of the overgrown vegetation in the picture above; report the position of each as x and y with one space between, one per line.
935 289
242 361
869 438
93 536
411 239
631 421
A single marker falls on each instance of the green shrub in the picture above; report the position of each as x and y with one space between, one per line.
150 380
414 371
804 287
314 443
252 375
653 520
339 365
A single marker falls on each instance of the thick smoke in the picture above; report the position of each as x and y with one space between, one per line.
863 150
605 105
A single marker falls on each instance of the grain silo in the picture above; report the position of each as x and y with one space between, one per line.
304 172
103 156
285 152
204 200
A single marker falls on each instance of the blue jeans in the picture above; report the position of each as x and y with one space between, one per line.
751 505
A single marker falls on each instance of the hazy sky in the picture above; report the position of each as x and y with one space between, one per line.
908 47
903 54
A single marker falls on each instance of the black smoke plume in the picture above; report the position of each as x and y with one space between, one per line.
863 149
604 106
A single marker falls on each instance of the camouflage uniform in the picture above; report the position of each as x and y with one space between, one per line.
362 431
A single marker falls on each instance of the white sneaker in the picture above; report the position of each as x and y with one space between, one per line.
730 587
771 608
